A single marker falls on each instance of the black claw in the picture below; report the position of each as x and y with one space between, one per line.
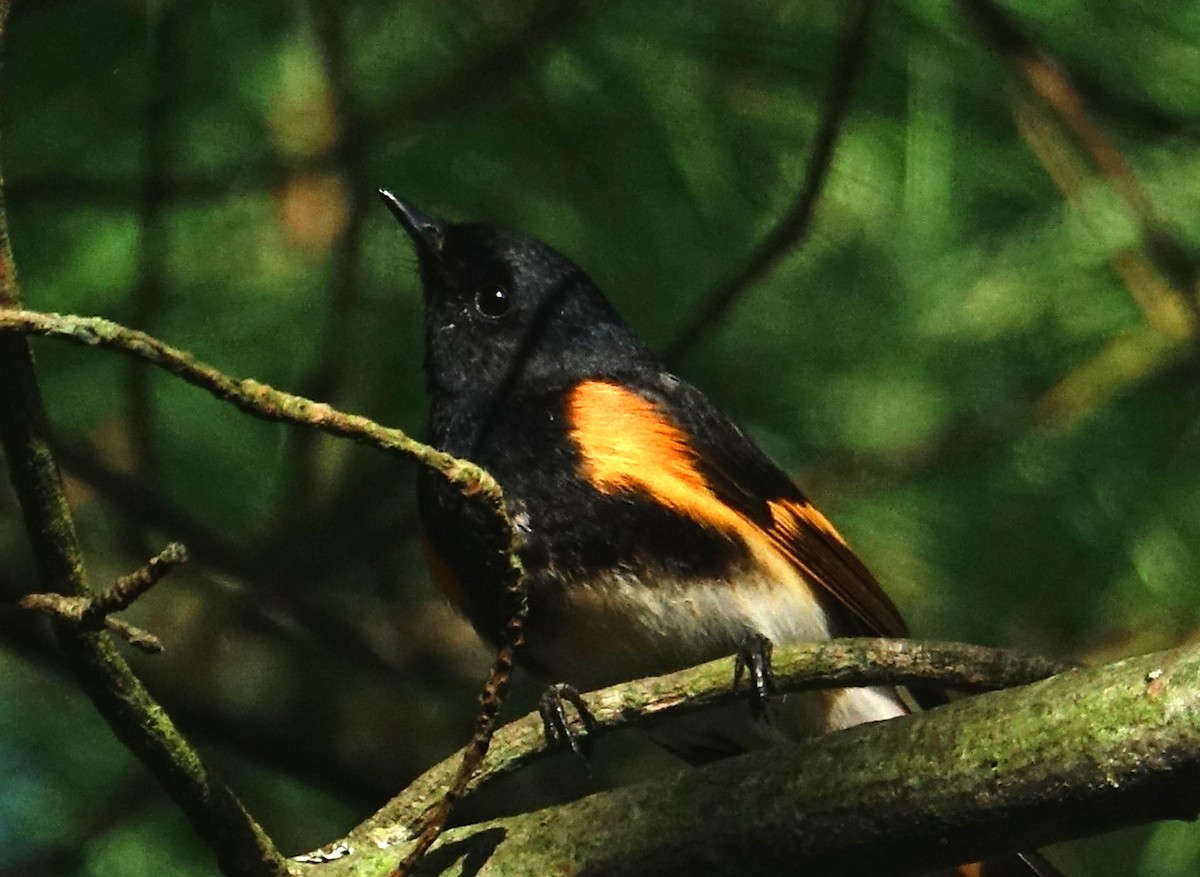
754 657
552 707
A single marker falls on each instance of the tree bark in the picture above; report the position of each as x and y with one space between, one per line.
1082 753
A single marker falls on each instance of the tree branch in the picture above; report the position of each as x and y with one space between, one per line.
792 228
94 613
241 847
1084 752
264 402
838 663
250 396
1002 33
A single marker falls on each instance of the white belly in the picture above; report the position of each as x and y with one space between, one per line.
619 629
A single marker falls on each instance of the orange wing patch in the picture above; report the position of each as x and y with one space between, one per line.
788 522
808 540
627 444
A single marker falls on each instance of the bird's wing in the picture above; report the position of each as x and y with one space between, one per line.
671 441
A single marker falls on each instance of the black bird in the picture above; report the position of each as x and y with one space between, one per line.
659 535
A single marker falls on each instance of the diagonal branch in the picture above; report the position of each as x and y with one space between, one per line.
250 396
792 228
264 402
93 613
1002 33
241 846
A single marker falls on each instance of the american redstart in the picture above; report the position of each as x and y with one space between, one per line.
658 534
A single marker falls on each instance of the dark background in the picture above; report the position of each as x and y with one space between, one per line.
972 362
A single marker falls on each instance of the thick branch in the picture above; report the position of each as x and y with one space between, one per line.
839 663
1083 752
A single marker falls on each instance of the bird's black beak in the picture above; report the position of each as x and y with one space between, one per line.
427 232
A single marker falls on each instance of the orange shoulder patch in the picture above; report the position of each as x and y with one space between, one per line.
628 444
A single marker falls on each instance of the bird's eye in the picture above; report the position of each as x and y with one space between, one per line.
492 300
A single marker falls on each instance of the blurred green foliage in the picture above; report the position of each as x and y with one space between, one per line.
956 363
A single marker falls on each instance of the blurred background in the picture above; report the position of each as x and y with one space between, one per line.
980 360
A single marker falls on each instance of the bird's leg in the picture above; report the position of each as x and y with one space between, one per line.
753 657
552 707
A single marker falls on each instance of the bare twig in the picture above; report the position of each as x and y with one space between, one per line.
266 403
128 588
793 227
240 845
486 721
92 613
250 396
73 611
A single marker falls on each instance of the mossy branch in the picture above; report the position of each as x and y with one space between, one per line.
241 846
249 396
1083 752
266 403
94 613
644 702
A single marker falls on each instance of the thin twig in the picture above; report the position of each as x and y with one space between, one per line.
486 722
128 588
239 843
250 396
88 613
793 227
71 610
838 663
259 400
